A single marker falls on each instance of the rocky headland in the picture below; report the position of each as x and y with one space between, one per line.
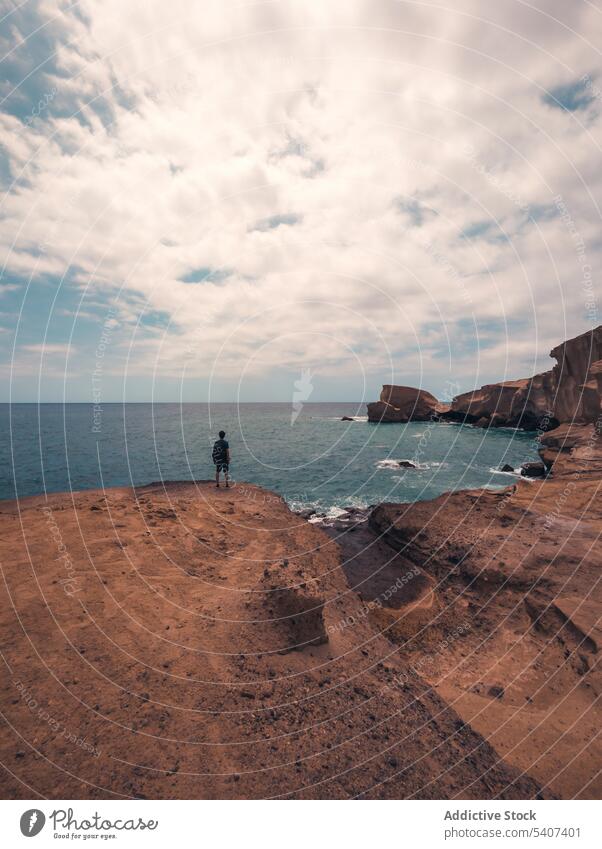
525 564
179 641
404 404
569 392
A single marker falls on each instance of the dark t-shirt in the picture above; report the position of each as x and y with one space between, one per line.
220 451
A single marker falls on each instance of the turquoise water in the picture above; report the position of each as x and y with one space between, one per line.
316 461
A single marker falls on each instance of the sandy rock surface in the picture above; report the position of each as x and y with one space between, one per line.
178 641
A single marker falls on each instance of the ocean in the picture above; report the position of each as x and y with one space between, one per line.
310 457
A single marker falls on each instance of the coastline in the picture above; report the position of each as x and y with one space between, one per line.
283 625
175 640
244 686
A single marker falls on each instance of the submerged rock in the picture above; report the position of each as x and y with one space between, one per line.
533 470
406 464
507 468
307 513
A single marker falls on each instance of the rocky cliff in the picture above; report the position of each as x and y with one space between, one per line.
181 641
569 392
502 614
522 567
578 378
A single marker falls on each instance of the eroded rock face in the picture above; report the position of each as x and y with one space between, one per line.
521 403
573 449
403 404
570 392
240 629
578 377
518 570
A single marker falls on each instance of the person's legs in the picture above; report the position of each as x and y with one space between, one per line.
217 475
227 475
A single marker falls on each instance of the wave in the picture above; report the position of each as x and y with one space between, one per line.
420 467
389 464
513 474
332 513
329 511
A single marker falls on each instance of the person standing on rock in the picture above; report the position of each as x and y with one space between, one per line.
221 458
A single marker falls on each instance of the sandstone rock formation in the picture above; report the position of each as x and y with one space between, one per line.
512 403
503 615
578 378
570 392
189 642
403 404
573 450
522 567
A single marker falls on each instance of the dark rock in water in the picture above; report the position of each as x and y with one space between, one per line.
506 468
482 422
307 513
533 470
405 464
360 513
347 419
457 416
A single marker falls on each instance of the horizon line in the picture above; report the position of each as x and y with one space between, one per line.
94 403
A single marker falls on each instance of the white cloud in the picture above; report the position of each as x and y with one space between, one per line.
178 131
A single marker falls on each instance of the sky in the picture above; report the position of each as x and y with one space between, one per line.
212 201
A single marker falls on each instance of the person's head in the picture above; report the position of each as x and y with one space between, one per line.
222 433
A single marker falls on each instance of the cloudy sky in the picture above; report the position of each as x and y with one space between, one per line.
203 199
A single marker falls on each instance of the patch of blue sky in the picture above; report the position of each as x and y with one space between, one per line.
570 97
30 67
286 219
205 274
154 319
488 230
414 210
542 211
44 307
6 176
35 87
465 336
